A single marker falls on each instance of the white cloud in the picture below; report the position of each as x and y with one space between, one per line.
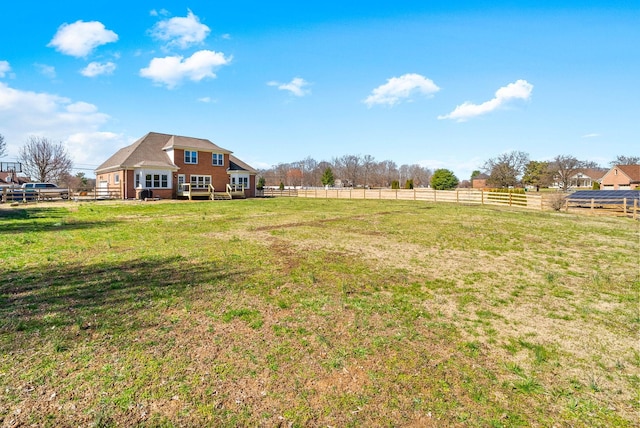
93 148
206 100
163 12
171 70
4 68
46 70
94 69
181 31
25 113
81 38
296 86
401 88
591 136
520 89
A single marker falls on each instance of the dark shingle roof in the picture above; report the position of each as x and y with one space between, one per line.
236 164
633 171
151 151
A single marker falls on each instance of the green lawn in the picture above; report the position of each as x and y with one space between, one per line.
302 312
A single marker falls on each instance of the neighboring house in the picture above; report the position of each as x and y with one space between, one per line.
9 178
583 179
479 181
171 166
621 177
586 177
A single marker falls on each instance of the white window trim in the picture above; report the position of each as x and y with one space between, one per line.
201 181
221 155
141 178
185 157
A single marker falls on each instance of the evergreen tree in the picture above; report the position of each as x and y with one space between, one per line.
327 178
443 179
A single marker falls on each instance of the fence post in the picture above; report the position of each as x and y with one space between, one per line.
624 201
414 193
481 196
510 198
457 196
592 205
635 209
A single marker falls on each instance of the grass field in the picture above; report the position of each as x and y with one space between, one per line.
298 312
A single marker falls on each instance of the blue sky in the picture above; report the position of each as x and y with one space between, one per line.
440 83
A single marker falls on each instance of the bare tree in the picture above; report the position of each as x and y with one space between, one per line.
309 167
44 160
564 167
348 168
506 169
420 175
623 160
3 146
368 164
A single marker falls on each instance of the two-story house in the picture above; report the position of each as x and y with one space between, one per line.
171 166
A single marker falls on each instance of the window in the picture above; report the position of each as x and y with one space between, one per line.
190 156
156 181
116 178
217 159
137 184
240 181
200 181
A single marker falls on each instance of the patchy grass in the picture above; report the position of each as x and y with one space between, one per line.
316 313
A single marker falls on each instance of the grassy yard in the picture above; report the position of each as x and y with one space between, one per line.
298 312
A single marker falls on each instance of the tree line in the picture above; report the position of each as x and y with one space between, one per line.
512 169
515 169
347 170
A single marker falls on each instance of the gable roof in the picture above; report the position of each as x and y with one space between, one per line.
151 151
632 171
180 142
236 164
593 173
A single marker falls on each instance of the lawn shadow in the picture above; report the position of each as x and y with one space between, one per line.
59 296
23 220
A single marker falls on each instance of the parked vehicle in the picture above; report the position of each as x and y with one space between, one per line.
46 190
33 191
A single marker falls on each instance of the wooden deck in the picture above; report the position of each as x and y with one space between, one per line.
185 190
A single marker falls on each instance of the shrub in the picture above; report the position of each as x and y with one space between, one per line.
395 184
556 201
409 184
443 179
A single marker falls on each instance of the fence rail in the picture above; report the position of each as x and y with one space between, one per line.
534 201
461 196
8 195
